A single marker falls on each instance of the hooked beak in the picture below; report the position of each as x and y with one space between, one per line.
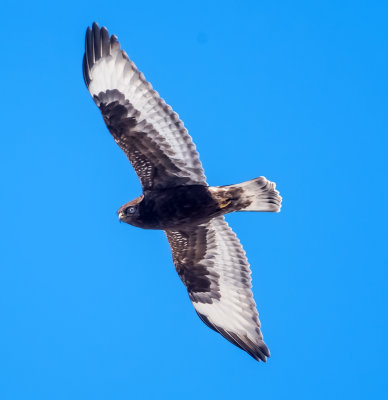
121 215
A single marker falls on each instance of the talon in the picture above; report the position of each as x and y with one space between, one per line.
225 203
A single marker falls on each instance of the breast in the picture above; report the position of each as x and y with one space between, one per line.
174 207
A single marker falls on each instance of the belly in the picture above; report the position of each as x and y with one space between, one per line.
172 208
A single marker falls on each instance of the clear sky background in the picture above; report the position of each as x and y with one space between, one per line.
293 90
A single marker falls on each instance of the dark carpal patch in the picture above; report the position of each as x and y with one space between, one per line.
188 252
150 155
116 119
196 280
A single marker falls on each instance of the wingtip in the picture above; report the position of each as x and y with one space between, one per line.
264 352
259 353
257 350
114 41
104 29
98 44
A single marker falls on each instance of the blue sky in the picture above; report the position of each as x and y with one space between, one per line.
296 91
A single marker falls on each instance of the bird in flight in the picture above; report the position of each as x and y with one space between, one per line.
176 198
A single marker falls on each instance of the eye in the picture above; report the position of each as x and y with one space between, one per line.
131 210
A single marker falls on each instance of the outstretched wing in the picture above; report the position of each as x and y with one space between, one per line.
148 131
211 263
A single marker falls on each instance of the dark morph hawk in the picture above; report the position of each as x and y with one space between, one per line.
176 198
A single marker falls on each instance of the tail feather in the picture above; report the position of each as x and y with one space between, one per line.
258 194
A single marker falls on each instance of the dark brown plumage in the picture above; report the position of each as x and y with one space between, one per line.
176 198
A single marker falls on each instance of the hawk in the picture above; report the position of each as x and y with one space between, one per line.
176 198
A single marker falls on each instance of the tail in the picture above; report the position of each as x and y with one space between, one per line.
258 194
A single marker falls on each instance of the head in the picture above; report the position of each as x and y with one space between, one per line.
130 212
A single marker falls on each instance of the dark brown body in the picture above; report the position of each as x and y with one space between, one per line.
172 208
180 206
